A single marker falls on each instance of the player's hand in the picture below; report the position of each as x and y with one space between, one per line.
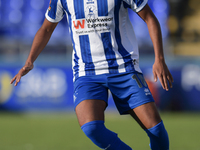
161 71
23 71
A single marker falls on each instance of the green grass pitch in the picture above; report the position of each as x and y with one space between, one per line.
60 131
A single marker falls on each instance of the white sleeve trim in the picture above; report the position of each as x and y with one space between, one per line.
141 6
52 20
58 14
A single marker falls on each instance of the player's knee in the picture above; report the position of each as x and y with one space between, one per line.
91 129
102 137
158 137
97 133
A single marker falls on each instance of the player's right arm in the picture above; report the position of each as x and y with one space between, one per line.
40 41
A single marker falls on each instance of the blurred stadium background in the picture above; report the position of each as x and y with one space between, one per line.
48 88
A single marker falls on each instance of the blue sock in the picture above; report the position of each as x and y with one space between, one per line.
102 137
158 137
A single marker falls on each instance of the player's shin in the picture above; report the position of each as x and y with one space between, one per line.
102 137
158 137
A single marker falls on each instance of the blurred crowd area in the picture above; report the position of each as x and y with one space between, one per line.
20 20
184 27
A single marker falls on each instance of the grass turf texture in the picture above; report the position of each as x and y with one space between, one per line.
61 131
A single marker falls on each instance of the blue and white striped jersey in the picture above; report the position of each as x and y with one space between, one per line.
101 32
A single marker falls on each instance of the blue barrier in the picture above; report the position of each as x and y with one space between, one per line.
44 88
51 88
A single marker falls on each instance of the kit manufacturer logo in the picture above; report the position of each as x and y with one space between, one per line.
90 2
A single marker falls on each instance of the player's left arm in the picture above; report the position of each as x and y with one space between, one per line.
40 41
160 69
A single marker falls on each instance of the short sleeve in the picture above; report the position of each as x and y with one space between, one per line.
136 5
55 12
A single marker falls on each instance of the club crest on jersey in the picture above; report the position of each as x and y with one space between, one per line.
90 11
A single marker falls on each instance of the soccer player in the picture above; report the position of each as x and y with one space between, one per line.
105 56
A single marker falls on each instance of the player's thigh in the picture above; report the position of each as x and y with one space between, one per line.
90 98
90 88
90 110
146 115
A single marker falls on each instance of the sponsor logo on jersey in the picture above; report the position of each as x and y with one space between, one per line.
92 23
79 24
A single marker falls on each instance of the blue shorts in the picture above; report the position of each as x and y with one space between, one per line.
129 90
